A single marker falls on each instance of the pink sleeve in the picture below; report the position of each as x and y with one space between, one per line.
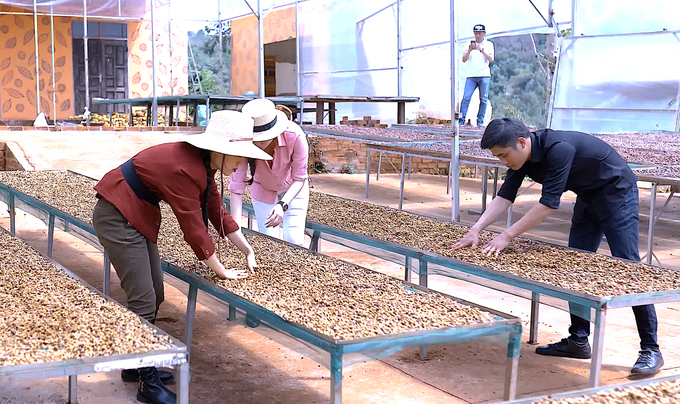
300 158
237 179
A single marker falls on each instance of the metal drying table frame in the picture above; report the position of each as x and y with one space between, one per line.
593 391
505 325
674 183
580 304
176 354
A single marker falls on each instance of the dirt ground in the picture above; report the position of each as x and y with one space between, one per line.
233 363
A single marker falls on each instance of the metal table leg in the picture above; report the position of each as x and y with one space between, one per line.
485 187
73 389
368 169
183 384
250 220
336 376
495 183
191 312
598 344
448 178
315 244
401 181
514 344
12 215
652 226
232 313
533 325
377 175
650 233
422 281
410 162
107 275
407 275
50 236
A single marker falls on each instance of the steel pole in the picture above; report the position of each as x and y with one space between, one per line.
297 61
574 7
54 82
455 150
154 74
260 29
399 79
37 57
219 43
172 88
86 59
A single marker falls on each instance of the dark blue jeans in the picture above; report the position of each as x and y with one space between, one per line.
471 84
622 232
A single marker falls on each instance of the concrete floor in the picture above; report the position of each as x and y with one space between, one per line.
233 363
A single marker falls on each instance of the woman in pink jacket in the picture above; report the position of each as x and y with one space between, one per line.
280 187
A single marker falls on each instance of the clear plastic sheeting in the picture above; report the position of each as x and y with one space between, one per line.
134 9
602 86
624 16
184 10
350 47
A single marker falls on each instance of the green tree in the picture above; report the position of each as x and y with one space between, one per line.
205 47
517 81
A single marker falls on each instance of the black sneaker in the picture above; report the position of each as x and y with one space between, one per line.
648 363
566 349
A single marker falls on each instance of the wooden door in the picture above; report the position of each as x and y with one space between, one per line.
114 74
107 73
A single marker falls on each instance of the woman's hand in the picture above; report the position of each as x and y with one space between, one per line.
213 263
231 273
275 216
251 262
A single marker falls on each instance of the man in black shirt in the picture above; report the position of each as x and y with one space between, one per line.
606 204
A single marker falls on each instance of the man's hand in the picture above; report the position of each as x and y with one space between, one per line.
471 239
275 216
496 245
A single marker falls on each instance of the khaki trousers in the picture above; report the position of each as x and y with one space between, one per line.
134 257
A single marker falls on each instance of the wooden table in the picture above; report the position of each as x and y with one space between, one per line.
321 100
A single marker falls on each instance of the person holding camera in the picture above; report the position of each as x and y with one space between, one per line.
478 56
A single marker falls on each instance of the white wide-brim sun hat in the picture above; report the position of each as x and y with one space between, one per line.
268 122
231 133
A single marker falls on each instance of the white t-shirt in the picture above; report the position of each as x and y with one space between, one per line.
478 66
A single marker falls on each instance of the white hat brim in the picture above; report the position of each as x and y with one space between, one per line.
280 127
239 148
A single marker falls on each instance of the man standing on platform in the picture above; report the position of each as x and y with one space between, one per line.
478 56
606 204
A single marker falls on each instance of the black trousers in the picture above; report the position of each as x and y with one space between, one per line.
622 232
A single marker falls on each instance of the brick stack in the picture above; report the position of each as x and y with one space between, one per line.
367 122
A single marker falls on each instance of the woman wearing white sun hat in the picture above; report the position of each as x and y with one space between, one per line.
127 218
280 187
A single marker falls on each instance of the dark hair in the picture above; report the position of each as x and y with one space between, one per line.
504 132
205 154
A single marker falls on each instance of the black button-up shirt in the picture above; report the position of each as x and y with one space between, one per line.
573 161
